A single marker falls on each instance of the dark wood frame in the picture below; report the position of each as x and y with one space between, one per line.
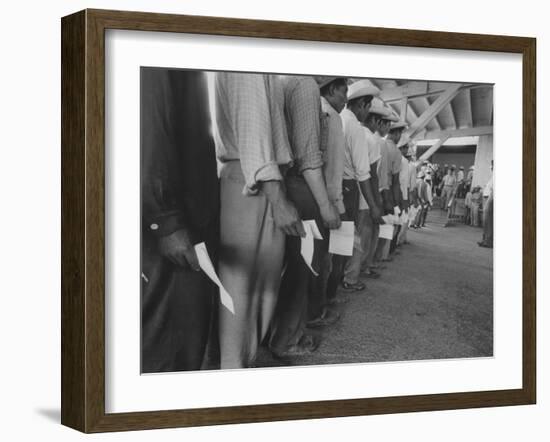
83 217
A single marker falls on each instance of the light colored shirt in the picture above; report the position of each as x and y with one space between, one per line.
250 126
383 169
460 175
332 134
404 178
373 142
412 175
302 110
395 157
356 159
449 180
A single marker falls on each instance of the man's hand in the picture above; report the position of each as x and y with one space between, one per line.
285 214
287 219
376 214
330 215
177 247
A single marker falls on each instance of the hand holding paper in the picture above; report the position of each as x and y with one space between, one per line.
386 231
208 268
308 243
341 240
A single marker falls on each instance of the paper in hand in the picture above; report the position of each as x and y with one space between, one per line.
206 265
386 231
390 219
308 243
341 240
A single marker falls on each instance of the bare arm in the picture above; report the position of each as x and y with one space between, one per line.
396 189
316 183
284 213
375 183
368 194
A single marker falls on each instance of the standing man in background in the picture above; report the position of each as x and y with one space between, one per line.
448 188
487 240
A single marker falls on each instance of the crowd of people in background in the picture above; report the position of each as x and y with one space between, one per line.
285 149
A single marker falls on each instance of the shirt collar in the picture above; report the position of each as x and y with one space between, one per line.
327 107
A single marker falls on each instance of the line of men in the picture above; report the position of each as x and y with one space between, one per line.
288 149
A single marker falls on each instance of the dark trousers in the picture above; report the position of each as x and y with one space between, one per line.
298 282
177 306
350 193
488 221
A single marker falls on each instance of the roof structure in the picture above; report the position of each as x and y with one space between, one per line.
440 113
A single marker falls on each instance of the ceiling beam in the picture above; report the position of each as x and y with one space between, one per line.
465 132
434 148
403 109
435 120
468 100
417 89
430 113
452 115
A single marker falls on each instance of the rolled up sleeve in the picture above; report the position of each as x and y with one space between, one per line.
303 113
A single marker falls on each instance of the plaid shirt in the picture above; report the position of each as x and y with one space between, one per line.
303 119
250 126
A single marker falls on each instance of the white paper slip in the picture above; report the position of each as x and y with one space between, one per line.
206 265
314 228
341 240
308 243
386 231
390 219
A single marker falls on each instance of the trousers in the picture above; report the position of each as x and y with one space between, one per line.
298 282
250 266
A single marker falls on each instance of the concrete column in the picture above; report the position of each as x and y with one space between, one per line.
482 163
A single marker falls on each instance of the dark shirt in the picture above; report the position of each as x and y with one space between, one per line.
179 182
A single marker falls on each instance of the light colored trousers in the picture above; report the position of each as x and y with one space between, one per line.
446 196
361 251
250 267
474 208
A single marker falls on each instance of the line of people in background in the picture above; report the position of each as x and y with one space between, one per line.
288 149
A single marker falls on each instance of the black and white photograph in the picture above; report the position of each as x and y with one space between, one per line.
298 220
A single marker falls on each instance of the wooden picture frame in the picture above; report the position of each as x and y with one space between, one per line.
83 220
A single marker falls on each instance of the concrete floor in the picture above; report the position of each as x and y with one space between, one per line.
434 301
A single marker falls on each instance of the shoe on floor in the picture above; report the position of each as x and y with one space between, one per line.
371 274
338 300
328 317
357 287
484 244
305 346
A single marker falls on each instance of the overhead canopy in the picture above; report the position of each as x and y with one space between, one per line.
440 110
